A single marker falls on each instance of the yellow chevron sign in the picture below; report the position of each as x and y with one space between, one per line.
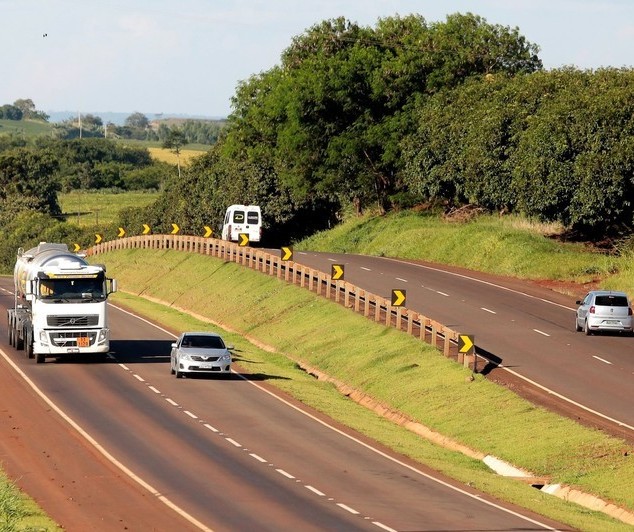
76 247
337 272
146 229
466 344
244 239
398 298
287 253
98 238
121 232
175 229
208 231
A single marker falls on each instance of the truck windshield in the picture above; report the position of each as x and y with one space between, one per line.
72 289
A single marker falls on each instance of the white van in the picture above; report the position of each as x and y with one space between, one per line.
242 219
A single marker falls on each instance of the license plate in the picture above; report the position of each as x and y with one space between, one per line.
611 322
83 341
206 366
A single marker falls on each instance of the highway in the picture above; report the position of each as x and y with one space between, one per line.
208 453
527 329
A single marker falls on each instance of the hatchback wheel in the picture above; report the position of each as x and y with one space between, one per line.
577 328
586 329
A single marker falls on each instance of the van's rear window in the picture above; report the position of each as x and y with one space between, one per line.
238 217
252 217
611 301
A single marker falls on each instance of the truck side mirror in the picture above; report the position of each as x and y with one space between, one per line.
113 286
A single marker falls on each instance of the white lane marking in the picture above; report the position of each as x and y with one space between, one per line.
403 280
190 414
258 458
541 332
138 377
148 487
366 269
171 401
332 260
347 508
315 490
155 390
488 310
213 429
442 293
233 442
124 367
369 447
602 359
381 525
282 472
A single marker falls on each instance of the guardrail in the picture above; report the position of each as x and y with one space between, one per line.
372 306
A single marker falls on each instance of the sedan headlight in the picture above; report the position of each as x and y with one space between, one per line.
184 356
226 358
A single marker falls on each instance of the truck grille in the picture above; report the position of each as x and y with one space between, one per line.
73 339
73 321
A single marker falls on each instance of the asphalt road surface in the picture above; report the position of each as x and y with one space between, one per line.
119 443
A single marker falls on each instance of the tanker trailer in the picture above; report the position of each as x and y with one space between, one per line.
60 303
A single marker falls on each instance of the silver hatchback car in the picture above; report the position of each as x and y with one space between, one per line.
603 310
200 352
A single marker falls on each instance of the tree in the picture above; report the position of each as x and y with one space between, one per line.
138 121
26 106
174 141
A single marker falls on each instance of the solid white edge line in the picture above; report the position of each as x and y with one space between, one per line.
148 487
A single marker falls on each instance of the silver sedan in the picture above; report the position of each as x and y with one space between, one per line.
200 352
603 310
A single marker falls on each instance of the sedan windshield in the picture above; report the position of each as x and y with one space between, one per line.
203 342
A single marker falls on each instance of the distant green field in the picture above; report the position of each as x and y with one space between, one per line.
95 208
28 128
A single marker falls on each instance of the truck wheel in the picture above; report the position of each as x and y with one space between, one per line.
28 346
18 342
10 330
39 358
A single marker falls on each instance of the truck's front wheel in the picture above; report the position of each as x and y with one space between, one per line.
28 345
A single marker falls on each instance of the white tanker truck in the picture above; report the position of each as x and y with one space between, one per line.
60 303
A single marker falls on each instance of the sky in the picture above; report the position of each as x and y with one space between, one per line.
188 56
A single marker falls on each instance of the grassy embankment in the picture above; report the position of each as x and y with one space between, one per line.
393 368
